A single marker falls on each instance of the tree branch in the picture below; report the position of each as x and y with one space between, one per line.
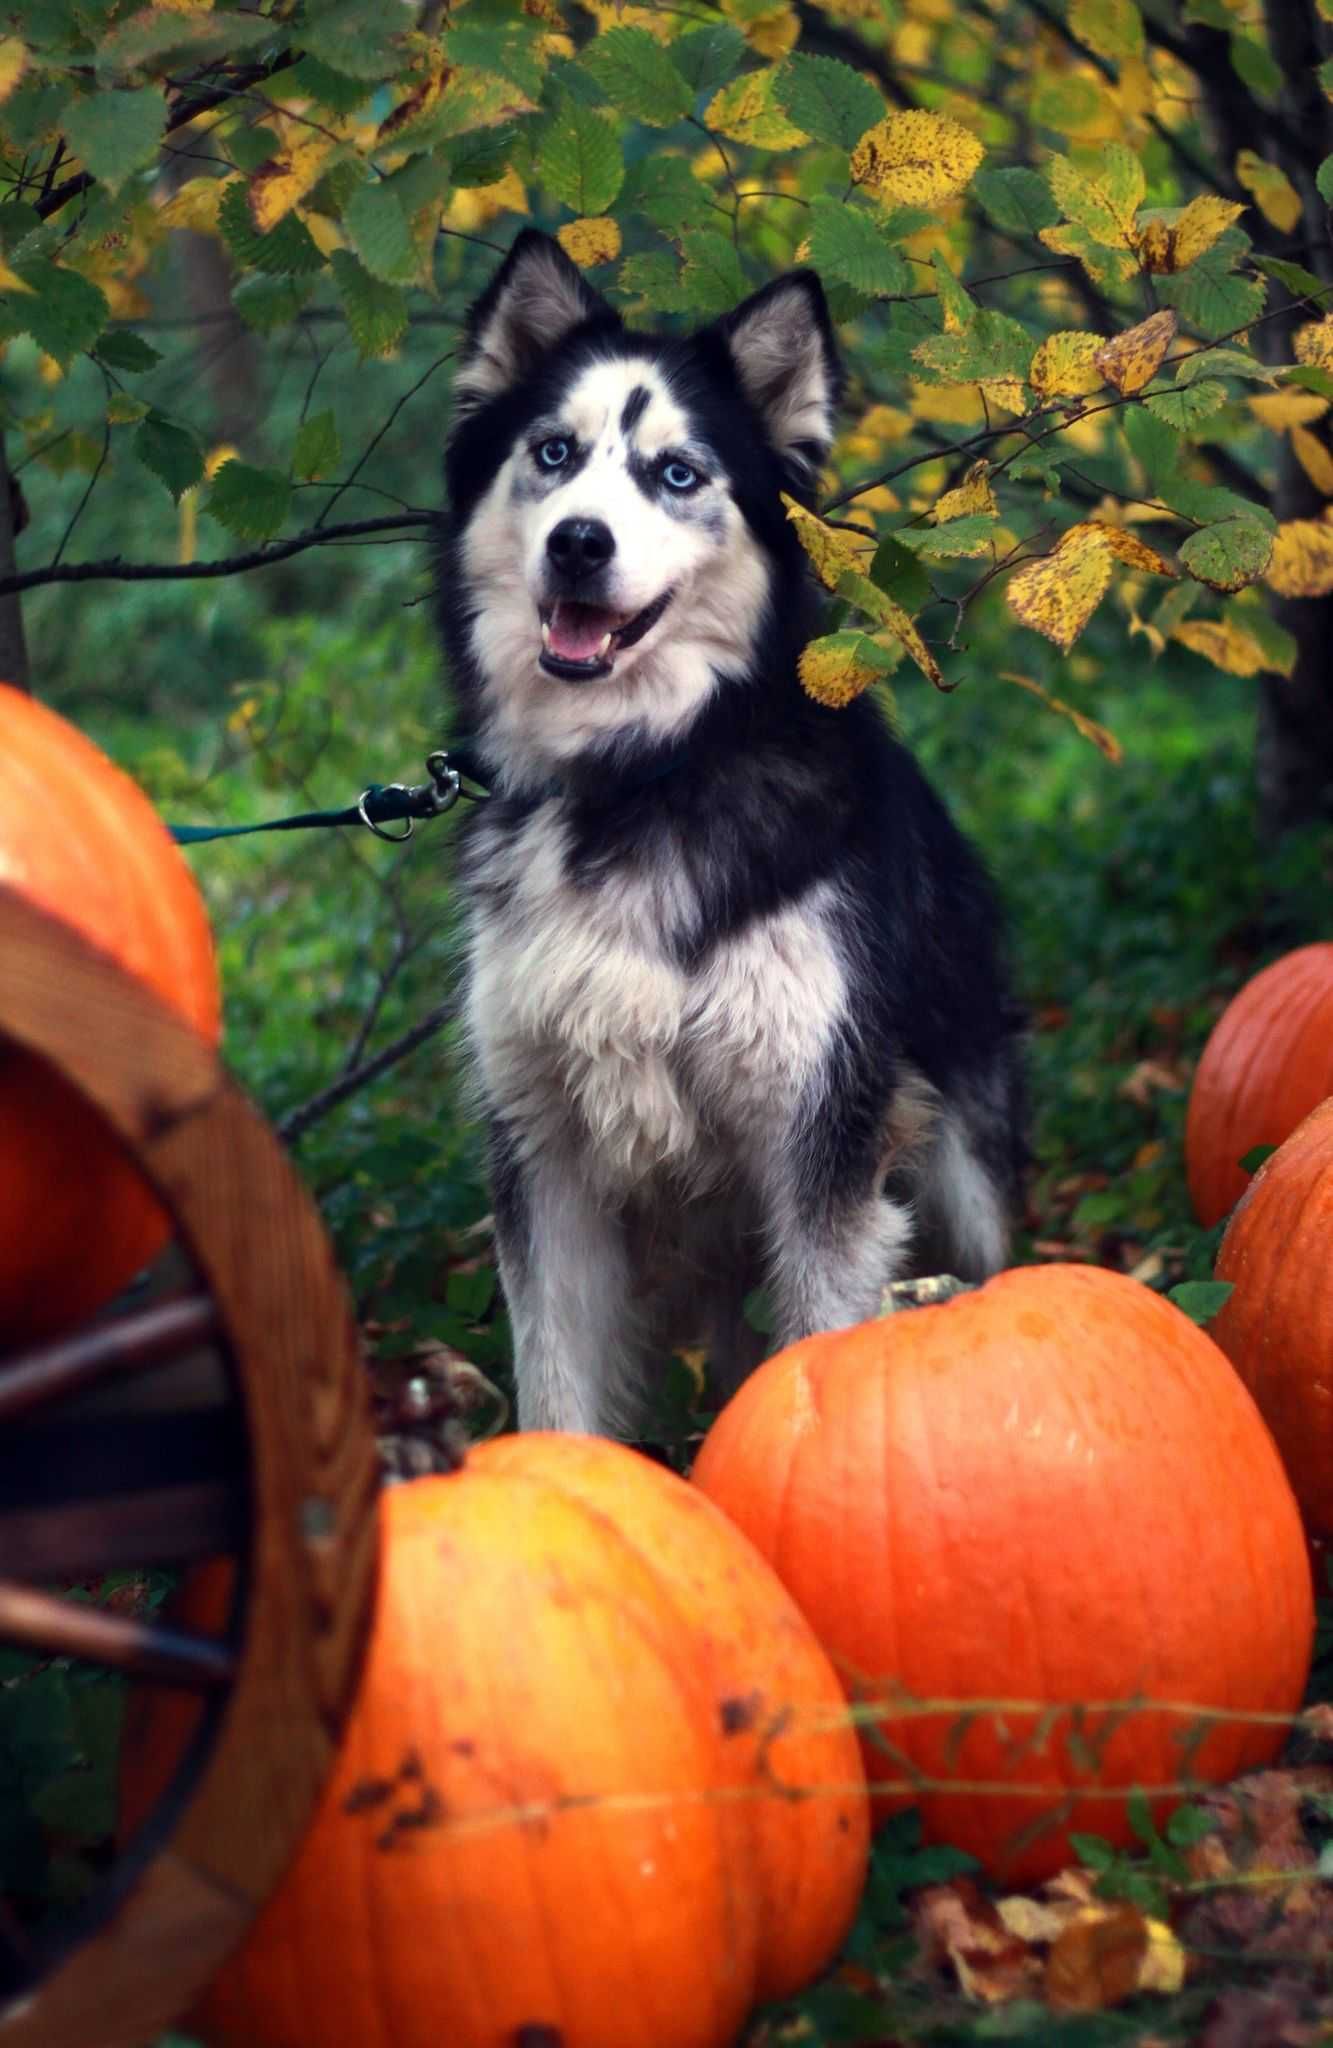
185 112
115 570
293 1127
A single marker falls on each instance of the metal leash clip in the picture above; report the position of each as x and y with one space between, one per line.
396 801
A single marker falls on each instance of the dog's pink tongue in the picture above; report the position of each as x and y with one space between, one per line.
578 630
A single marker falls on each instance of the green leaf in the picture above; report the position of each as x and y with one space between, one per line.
288 250
115 133
317 449
1308 378
121 350
483 156
1301 283
665 190
655 277
1223 362
1323 178
504 49
1092 1851
251 503
378 230
63 312
1156 444
1254 63
170 451
956 537
357 37
707 57
829 100
993 346
638 77
898 573
376 311
1229 555
579 160
1019 200
1206 503
251 147
1201 1300
148 36
267 303
1251 1161
313 79
1210 297
712 279
1188 1825
849 244
1189 405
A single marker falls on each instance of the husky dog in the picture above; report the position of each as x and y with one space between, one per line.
735 991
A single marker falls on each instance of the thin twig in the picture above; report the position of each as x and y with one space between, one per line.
115 570
375 439
293 1127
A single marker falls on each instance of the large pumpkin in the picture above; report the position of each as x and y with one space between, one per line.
1277 1325
1052 1490
1268 1061
79 838
598 1786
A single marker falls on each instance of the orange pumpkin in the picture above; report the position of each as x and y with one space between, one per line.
1268 1061
1052 1490
79 838
564 1799
1277 1325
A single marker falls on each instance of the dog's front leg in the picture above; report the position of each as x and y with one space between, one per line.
566 1277
832 1251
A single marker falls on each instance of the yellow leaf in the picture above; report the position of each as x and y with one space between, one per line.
10 281
1222 643
916 158
614 14
1314 458
948 405
876 430
195 205
1132 359
426 92
1163 1967
973 494
1313 343
747 111
830 672
831 549
13 64
1103 203
123 411
1104 740
590 242
1064 366
185 6
1274 194
774 32
1058 593
1283 409
889 613
1199 226
283 181
1301 564
1128 548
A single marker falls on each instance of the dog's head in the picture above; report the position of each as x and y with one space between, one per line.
617 536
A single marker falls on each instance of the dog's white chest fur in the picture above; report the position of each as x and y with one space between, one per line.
587 1029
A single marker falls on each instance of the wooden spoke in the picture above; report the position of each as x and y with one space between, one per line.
127 1345
32 1620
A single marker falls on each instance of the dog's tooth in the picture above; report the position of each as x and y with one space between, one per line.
546 633
604 647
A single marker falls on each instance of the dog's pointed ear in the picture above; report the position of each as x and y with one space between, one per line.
782 344
536 297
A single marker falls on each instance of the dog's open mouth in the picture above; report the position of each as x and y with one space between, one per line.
582 640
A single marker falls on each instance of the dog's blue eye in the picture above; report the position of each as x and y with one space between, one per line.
552 453
680 476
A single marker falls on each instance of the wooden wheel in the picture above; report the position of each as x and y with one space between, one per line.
230 1418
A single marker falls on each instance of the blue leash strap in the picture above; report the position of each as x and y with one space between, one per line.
379 805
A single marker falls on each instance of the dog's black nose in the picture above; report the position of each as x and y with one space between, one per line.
579 546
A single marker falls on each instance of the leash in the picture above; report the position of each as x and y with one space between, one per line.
378 805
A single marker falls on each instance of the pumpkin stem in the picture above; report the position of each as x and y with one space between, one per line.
927 1293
